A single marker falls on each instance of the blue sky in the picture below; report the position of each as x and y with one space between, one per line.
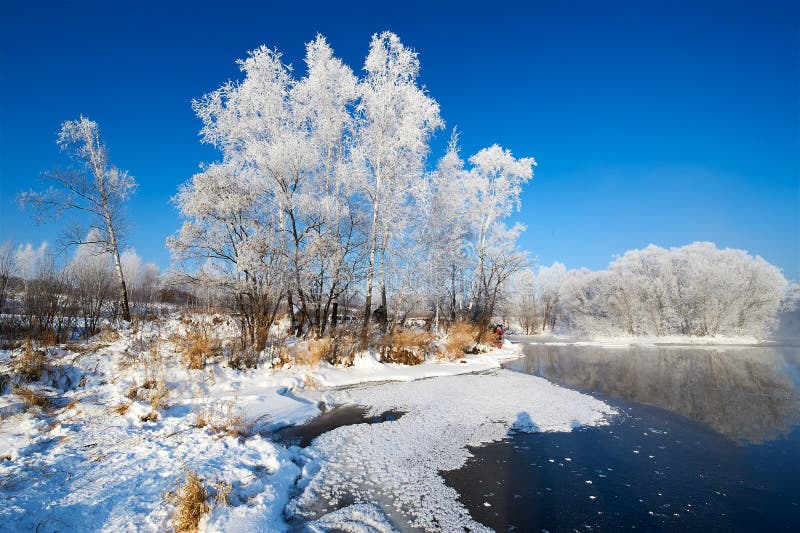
652 122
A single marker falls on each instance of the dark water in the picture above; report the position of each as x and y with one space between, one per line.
707 439
346 415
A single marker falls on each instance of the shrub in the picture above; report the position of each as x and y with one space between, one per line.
462 338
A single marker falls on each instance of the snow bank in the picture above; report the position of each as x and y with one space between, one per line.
395 465
92 463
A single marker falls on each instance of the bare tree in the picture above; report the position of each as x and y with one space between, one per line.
95 188
7 270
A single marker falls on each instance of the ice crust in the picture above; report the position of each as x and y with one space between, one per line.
395 465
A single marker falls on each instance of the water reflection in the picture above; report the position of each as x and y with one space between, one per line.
748 394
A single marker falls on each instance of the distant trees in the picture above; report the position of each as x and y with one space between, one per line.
95 187
696 290
47 299
322 192
92 282
7 270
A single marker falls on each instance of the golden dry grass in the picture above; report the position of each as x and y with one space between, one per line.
108 335
318 350
196 346
462 337
32 398
190 504
30 363
406 347
223 419
222 492
152 416
159 395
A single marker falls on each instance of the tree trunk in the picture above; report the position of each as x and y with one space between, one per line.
370 275
123 289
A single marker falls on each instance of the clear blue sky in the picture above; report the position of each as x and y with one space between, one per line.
663 122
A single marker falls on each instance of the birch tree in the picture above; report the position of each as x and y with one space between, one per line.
95 188
395 119
493 188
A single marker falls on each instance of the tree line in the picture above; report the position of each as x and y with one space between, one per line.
697 290
324 206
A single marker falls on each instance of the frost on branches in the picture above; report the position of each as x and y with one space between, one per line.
322 196
696 290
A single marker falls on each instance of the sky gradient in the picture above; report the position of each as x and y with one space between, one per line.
652 122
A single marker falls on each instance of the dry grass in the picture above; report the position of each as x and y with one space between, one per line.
406 347
318 350
32 398
222 492
197 346
48 338
243 358
223 419
309 382
122 408
152 416
461 338
154 391
337 349
108 335
190 502
159 394
133 392
30 363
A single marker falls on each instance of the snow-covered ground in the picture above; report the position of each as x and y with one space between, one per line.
93 462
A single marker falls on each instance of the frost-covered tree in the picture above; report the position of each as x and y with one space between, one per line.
95 188
493 186
549 285
395 119
321 192
696 289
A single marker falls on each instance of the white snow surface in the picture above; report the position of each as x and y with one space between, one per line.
84 466
395 465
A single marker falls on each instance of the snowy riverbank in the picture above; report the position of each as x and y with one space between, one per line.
94 460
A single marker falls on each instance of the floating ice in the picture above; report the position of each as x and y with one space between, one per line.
396 464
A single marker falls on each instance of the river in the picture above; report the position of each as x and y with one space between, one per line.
707 439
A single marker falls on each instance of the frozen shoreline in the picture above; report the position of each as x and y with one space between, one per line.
85 465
